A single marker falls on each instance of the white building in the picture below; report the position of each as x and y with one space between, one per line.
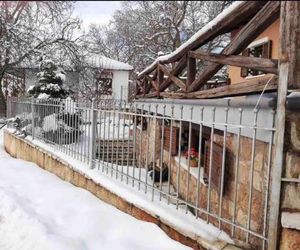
117 71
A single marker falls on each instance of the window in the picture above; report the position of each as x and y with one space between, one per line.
104 82
262 50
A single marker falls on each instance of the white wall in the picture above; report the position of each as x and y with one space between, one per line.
120 78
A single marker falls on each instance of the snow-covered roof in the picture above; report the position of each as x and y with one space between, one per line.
103 62
224 14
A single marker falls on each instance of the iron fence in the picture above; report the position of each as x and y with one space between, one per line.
154 148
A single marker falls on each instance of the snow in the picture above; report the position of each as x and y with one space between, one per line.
50 123
30 88
290 220
108 63
70 105
61 75
40 211
43 96
178 219
203 30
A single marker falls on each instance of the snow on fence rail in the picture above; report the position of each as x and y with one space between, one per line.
209 168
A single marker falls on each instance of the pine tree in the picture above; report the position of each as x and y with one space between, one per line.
50 82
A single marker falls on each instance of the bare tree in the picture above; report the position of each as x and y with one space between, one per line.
29 28
141 30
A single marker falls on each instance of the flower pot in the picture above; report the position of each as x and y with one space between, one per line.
193 163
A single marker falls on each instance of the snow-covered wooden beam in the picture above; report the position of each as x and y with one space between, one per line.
268 14
263 64
235 15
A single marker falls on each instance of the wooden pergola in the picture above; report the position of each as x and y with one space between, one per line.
251 18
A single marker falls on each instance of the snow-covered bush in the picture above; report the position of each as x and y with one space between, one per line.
59 123
62 128
50 82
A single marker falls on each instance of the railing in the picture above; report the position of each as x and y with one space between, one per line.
146 148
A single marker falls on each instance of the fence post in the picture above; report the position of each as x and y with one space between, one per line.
32 118
93 134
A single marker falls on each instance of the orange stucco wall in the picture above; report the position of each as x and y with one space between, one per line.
272 32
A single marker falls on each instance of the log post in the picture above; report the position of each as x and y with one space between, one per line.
191 70
289 77
159 80
290 40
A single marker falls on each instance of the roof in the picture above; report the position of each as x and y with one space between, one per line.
103 62
97 61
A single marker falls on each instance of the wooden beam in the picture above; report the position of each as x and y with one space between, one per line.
223 25
267 15
290 40
149 95
191 70
173 78
263 64
248 87
175 72
160 79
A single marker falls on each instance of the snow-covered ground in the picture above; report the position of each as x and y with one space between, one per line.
39 211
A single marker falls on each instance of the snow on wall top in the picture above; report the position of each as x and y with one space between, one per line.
108 63
203 30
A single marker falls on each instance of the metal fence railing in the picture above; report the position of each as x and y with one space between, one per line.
212 162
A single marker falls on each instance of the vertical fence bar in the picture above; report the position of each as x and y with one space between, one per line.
140 146
179 155
251 174
154 151
210 162
199 162
236 170
32 118
92 141
268 181
170 153
162 151
223 166
189 161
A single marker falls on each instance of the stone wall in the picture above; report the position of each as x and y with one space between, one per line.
241 211
258 191
290 192
150 137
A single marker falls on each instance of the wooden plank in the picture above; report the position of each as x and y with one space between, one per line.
290 40
173 78
263 64
267 15
239 16
250 86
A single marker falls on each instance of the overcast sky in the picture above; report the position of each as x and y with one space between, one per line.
98 12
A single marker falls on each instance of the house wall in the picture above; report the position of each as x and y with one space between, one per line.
120 84
272 32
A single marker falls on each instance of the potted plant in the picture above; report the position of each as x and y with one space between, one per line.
194 156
